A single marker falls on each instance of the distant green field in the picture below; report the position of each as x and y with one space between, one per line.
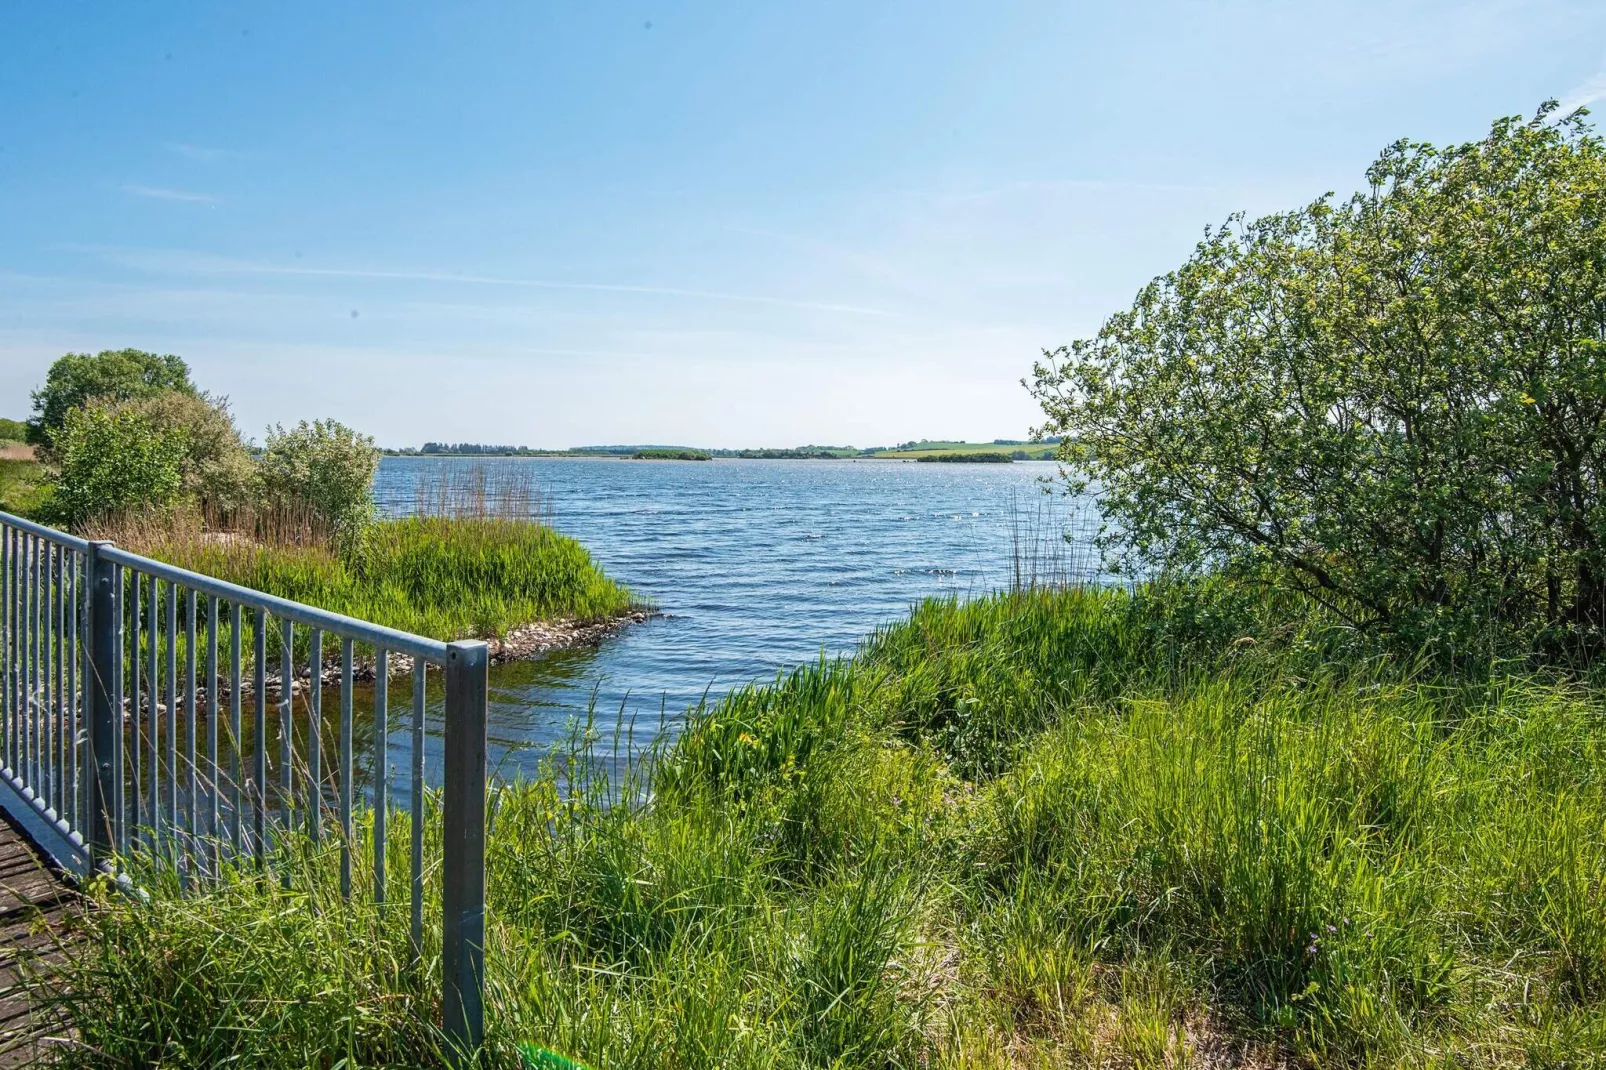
23 488
1035 452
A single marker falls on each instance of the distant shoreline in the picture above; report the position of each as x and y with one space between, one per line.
611 457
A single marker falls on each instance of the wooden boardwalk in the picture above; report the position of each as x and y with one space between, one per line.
36 905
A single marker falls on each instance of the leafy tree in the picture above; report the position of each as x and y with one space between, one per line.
1392 402
113 374
13 431
324 468
217 473
114 460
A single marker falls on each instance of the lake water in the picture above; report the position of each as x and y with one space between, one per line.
755 566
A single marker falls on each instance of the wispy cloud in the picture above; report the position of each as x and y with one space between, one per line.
183 262
1584 94
202 152
1058 187
162 193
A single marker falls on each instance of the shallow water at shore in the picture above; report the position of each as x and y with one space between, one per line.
755 566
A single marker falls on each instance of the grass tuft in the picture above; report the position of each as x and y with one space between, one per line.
445 577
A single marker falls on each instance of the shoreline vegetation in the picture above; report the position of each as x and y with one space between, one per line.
130 450
518 584
923 449
967 458
1179 826
656 454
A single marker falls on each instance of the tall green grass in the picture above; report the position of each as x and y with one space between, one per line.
1043 829
444 577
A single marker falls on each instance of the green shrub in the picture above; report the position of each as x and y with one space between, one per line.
324 468
216 474
112 461
1391 400
13 431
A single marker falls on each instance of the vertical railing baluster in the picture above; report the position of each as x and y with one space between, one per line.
420 667
137 738
63 707
78 688
193 718
345 767
41 756
35 716
36 722
32 638
47 737
14 658
120 831
19 647
64 685
16 755
19 654
8 594
153 649
64 736
105 765
211 732
58 613
6 622
53 679
259 745
153 740
463 854
236 707
287 677
170 722
381 766
315 735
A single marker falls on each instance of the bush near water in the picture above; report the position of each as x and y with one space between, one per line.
134 452
1326 791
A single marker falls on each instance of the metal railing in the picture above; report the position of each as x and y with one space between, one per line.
117 734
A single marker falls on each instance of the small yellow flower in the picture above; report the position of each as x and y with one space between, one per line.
1528 399
748 739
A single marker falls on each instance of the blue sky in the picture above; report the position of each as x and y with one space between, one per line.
559 222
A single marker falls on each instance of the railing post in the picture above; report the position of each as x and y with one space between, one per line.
104 736
463 862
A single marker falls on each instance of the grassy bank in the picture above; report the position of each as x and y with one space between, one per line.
1020 451
1035 830
23 483
445 577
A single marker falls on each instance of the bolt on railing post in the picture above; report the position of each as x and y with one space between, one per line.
104 737
463 861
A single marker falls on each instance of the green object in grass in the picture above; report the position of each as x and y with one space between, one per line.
540 1059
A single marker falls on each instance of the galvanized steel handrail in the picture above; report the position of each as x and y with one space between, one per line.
91 635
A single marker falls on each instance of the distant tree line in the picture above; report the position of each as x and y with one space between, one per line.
468 449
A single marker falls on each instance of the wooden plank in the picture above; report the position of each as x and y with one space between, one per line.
35 906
